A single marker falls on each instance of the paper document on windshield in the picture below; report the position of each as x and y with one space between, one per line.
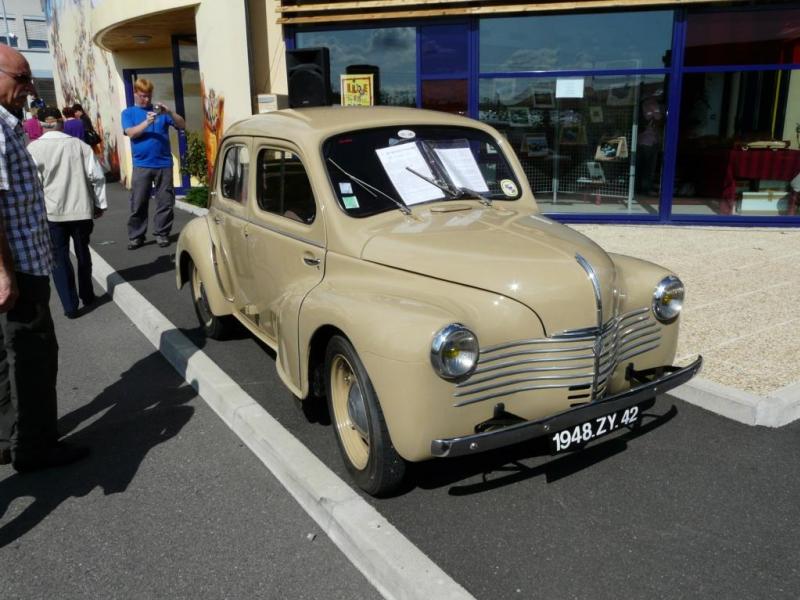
396 161
461 166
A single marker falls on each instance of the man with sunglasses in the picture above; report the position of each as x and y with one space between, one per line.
147 126
28 346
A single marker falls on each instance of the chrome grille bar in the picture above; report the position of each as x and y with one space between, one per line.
563 360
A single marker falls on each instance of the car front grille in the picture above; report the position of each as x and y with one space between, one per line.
580 360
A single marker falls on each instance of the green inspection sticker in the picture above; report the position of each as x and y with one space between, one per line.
350 201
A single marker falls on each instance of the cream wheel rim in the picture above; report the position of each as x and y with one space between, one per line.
200 299
355 444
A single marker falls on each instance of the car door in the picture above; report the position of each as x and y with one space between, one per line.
227 218
286 245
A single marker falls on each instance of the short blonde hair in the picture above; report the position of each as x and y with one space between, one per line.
143 85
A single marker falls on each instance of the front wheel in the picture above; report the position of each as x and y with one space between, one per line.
358 422
213 326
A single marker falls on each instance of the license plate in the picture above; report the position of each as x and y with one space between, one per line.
578 435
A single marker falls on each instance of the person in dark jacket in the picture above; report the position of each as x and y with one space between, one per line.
90 135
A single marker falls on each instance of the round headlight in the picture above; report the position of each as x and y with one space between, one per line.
454 352
668 298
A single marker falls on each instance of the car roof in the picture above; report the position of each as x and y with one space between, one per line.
322 122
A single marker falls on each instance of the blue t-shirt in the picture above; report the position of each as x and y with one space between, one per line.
151 149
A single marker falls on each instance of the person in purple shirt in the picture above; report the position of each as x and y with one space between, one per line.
72 126
33 129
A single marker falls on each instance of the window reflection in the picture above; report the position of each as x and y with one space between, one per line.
592 144
576 42
391 49
738 144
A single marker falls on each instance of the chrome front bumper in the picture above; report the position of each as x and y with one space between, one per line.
671 378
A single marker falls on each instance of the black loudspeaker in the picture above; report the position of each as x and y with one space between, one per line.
308 71
368 70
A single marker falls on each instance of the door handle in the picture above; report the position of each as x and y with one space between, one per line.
311 261
246 231
218 220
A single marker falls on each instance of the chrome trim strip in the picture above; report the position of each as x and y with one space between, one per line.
550 340
514 391
592 274
527 352
517 364
512 374
598 298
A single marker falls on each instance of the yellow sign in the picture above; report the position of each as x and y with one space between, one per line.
357 90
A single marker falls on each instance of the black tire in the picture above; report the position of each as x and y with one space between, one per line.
369 455
214 327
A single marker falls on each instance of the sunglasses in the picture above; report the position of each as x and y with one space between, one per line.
21 78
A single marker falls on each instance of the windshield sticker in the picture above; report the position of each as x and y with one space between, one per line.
406 134
509 187
345 187
350 202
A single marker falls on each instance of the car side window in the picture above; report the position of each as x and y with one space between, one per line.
283 186
235 169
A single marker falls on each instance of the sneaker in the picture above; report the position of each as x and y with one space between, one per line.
162 240
57 455
135 243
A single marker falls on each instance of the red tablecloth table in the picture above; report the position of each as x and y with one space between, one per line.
781 165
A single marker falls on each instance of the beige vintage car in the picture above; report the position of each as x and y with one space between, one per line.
396 261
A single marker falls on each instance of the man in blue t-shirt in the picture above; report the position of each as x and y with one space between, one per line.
147 126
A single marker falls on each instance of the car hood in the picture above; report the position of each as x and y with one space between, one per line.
518 255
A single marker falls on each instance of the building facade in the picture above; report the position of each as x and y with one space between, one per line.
23 26
684 112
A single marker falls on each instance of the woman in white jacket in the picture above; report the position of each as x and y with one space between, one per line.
75 194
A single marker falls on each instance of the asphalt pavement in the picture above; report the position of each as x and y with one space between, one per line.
172 504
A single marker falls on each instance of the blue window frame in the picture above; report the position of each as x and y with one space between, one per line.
458 60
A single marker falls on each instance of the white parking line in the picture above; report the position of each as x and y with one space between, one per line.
388 560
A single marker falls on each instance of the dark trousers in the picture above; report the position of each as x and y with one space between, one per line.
142 182
61 232
28 370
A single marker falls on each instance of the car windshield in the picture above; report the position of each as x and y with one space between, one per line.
386 168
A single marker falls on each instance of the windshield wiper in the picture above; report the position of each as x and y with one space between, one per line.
454 191
373 190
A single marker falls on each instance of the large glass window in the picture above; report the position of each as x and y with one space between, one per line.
576 42
587 144
752 37
738 144
392 49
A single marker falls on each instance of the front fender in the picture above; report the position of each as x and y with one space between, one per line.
390 316
195 245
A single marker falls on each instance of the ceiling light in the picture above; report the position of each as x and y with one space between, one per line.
142 39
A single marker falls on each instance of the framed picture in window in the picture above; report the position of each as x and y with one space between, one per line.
535 145
572 135
519 116
596 114
543 98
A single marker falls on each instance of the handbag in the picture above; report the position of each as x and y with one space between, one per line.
91 137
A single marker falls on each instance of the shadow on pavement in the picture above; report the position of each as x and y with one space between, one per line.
141 410
504 467
162 264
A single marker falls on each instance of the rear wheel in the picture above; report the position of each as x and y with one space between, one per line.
213 326
358 422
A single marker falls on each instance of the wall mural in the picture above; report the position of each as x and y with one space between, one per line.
213 124
83 73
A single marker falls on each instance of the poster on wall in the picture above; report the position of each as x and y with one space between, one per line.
357 90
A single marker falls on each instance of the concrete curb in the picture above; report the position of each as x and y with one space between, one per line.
775 410
388 560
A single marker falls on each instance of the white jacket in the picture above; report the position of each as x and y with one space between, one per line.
72 177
